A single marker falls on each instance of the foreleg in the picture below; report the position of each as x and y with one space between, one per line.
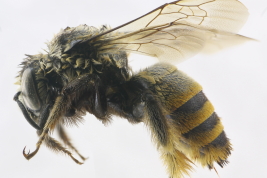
63 135
56 113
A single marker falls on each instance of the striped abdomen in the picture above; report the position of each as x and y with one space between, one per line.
194 129
202 134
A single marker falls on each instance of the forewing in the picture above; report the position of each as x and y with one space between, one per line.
178 30
222 15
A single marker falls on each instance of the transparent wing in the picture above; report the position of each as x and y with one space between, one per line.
178 30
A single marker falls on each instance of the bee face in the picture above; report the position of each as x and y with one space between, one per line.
86 70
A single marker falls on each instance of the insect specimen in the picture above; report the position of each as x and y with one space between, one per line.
85 69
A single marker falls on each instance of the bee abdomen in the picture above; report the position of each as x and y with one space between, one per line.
195 129
202 131
197 121
206 132
222 147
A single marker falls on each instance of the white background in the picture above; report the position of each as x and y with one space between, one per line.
235 80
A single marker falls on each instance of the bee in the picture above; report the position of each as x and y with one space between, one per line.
85 69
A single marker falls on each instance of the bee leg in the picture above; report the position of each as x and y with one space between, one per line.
156 118
29 155
137 103
44 116
56 146
176 161
63 135
54 117
100 104
89 83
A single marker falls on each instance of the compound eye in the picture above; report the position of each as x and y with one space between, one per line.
29 90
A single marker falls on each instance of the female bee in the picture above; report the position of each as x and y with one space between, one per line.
86 70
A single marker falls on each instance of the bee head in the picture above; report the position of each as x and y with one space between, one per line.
38 88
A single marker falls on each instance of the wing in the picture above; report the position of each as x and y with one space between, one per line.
178 30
